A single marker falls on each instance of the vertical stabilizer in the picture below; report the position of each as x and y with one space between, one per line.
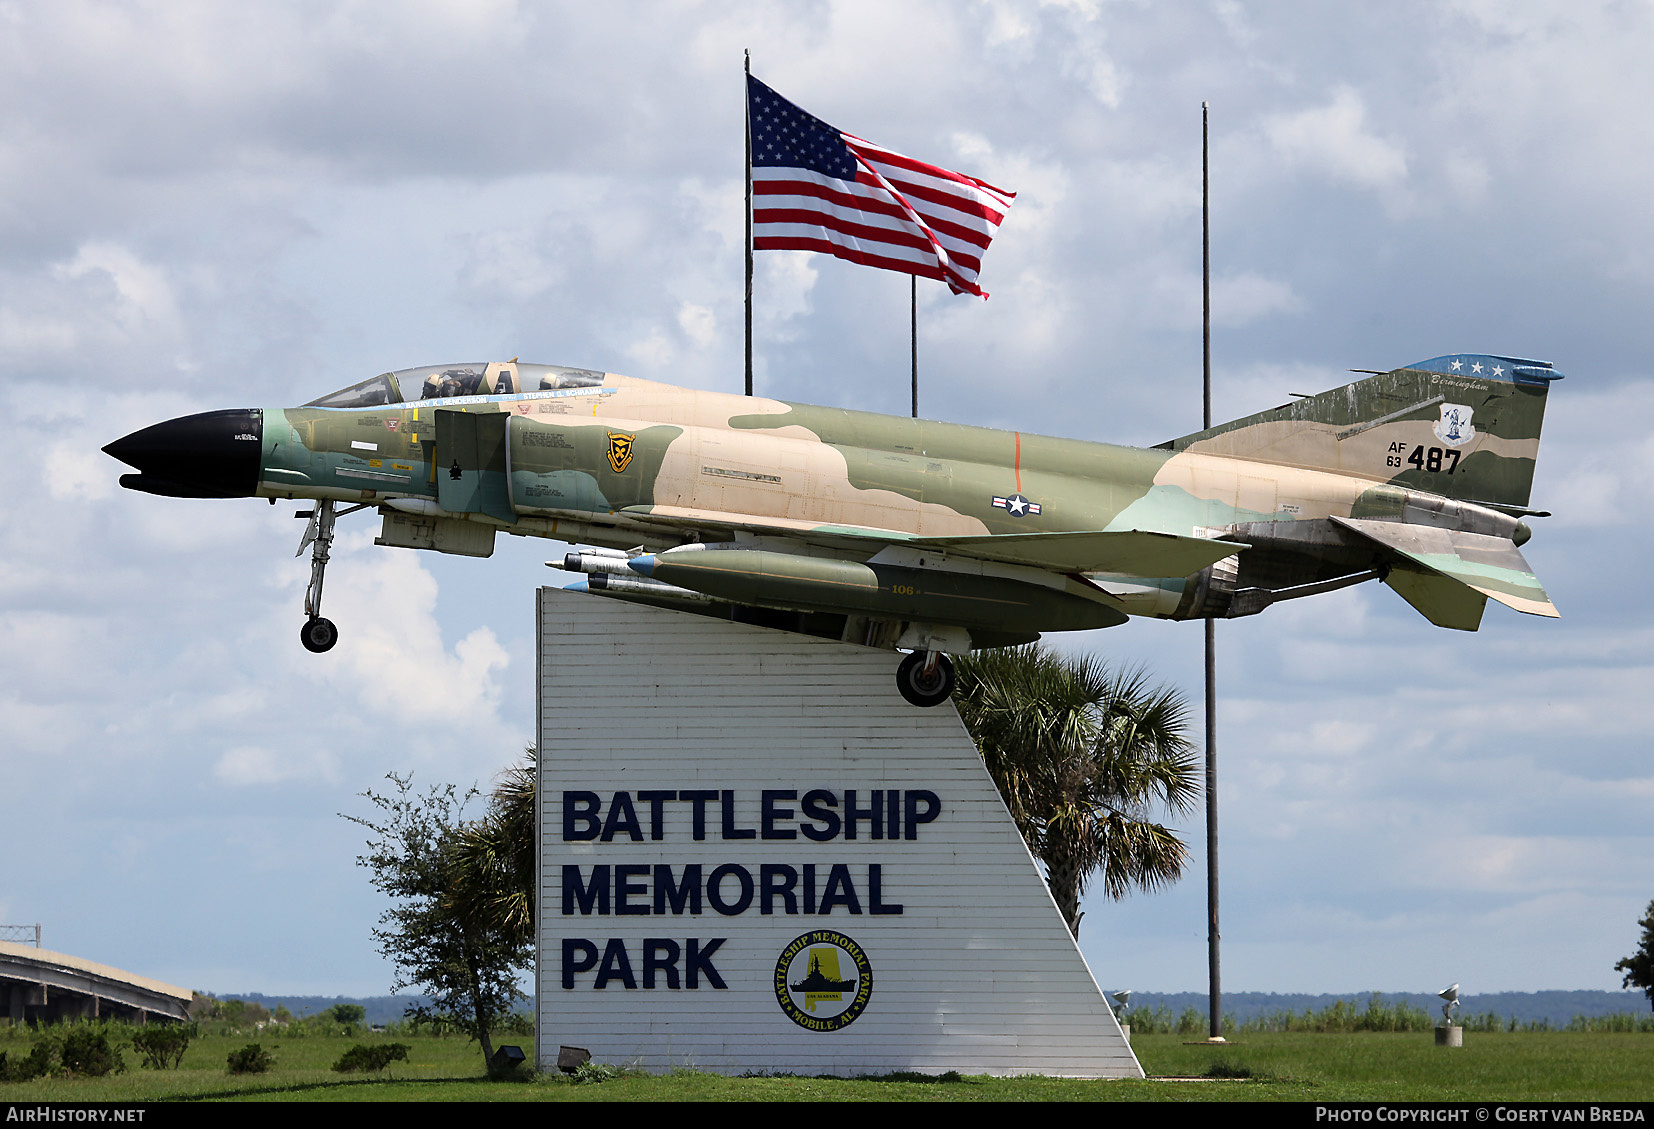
1464 426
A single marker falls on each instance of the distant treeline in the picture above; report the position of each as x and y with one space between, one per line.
1557 1009
1396 1011
381 1011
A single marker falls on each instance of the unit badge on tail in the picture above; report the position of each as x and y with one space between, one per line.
1454 428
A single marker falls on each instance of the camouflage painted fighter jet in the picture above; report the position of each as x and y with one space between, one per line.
930 538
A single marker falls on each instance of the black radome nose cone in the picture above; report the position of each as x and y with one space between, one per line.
211 455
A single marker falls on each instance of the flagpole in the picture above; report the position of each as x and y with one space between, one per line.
913 321
746 113
1214 968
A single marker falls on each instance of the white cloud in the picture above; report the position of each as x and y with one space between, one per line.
76 469
651 353
247 765
143 298
1335 140
1238 299
392 651
699 324
787 278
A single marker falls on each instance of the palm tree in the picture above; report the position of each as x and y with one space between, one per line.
493 858
1082 754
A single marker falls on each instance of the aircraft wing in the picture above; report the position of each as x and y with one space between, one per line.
1127 553
1449 576
1135 553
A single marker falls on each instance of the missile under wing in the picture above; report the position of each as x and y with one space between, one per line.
913 535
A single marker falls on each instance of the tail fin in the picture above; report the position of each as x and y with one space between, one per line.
1465 426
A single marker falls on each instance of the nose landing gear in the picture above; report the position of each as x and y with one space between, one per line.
319 634
925 678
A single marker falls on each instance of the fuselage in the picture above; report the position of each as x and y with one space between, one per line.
607 464
913 534
1303 498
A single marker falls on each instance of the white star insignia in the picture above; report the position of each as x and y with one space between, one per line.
1477 367
1497 370
1018 505
1457 365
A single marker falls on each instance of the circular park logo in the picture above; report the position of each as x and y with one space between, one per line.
823 980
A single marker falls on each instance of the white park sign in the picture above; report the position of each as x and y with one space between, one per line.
755 856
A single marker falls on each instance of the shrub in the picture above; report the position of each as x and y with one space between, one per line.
87 1051
40 1061
163 1045
251 1059
364 1057
519 1023
595 1073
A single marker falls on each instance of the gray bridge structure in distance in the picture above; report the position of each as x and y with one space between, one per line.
40 986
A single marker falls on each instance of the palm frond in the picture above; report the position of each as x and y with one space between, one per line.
1083 754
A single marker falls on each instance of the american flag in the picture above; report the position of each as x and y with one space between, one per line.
817 189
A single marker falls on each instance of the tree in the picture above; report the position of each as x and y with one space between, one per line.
495 857
1639 966
1082 754
466 965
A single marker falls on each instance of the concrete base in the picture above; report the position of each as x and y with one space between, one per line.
757 857
1450 1036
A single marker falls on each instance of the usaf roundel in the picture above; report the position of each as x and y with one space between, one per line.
1016 505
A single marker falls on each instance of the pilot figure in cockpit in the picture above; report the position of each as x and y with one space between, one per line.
451 382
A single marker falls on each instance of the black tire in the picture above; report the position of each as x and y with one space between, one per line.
319 635
919 689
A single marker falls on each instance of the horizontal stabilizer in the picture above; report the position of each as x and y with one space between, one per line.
1449 576
1128 553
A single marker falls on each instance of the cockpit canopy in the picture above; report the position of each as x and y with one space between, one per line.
441 382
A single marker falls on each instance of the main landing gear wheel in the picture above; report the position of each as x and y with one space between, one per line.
318 635
925 678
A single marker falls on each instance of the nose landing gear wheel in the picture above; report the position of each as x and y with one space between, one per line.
319 635
924 687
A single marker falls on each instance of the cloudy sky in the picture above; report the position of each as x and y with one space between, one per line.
207 205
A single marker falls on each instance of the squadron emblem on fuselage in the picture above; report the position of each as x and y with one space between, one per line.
620 450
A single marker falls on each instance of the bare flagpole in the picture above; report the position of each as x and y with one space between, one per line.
913 321
1212 936
746 113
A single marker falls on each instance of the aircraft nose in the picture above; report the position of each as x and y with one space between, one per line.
211 455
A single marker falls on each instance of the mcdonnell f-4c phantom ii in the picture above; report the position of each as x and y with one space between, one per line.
911 535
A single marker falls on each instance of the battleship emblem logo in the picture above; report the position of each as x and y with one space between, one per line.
823 980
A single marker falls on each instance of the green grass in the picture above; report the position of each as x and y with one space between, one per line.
1289 1066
